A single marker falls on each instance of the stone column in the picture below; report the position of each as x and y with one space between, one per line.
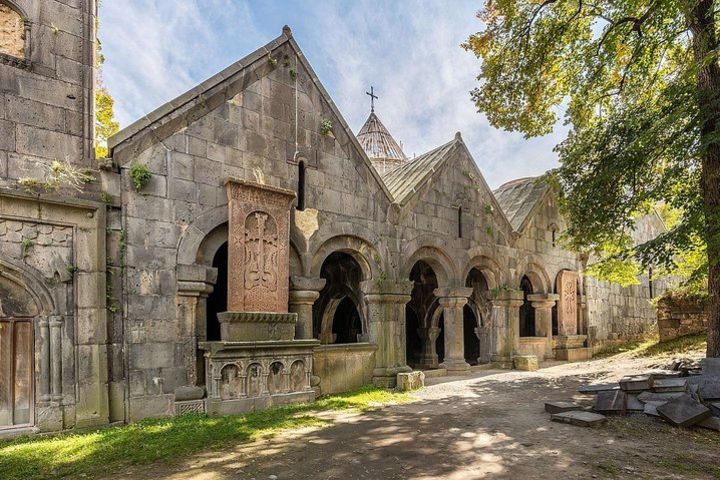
543 304
428 357
303 293
452 301
386 327
195 283
506 325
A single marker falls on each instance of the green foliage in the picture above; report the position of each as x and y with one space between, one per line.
105 197
615 263
326 127
140 175
626 76
57 175
105 123
72 269
26 246
94 453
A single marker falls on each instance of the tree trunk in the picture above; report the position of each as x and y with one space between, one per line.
708 81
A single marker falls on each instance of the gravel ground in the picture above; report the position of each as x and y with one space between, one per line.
491 424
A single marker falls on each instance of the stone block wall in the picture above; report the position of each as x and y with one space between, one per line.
678 317
46 101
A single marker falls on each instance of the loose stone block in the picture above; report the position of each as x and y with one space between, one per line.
711 423
683 411
635 384
669 385
528 363
710 366
559 407
600 387
651 408
579 418
709 389
662 397
632 404
610 402
410 381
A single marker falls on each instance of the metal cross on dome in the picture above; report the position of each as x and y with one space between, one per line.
373 97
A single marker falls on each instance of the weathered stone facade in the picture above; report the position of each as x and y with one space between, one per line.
423 267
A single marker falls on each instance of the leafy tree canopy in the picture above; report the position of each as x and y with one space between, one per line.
638 82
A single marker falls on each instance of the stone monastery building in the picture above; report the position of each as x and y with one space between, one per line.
350 261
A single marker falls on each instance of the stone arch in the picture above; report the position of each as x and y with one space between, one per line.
438 260
189 246
358 248
30 354
538 277
16 39
31 282
488 267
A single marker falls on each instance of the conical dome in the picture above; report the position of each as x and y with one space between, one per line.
379 145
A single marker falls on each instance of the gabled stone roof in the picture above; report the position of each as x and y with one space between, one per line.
377 141
409 177
518 198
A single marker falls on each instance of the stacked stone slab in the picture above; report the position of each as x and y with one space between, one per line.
680 401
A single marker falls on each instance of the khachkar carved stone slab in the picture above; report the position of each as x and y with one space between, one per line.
258 246
567 304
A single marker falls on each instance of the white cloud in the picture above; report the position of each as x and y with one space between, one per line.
408 50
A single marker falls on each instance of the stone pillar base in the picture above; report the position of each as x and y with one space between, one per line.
455 366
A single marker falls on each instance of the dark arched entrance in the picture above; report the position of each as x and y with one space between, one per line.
420 310
337 316
527 312
217 300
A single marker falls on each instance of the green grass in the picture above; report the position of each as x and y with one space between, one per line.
105 450
651 346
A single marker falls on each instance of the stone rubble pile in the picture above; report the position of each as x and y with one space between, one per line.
686 396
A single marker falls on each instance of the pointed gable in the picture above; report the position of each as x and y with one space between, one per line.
211 94
518 199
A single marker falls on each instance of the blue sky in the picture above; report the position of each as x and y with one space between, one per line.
408 50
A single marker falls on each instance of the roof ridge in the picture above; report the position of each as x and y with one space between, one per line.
377 141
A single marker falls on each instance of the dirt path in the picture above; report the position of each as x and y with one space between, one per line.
488 425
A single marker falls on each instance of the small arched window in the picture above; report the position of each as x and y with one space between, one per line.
650 283
459 222
12 32
554 237
301 186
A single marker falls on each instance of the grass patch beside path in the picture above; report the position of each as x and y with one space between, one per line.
105 450
652 346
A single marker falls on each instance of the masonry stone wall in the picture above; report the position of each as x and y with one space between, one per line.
53 243
677 317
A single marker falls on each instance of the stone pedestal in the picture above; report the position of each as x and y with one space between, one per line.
506 325
256 363
452 301
386 328
304 291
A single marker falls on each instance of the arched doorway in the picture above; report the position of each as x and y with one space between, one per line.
426 345
337 314
18 310
217 300
527 312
